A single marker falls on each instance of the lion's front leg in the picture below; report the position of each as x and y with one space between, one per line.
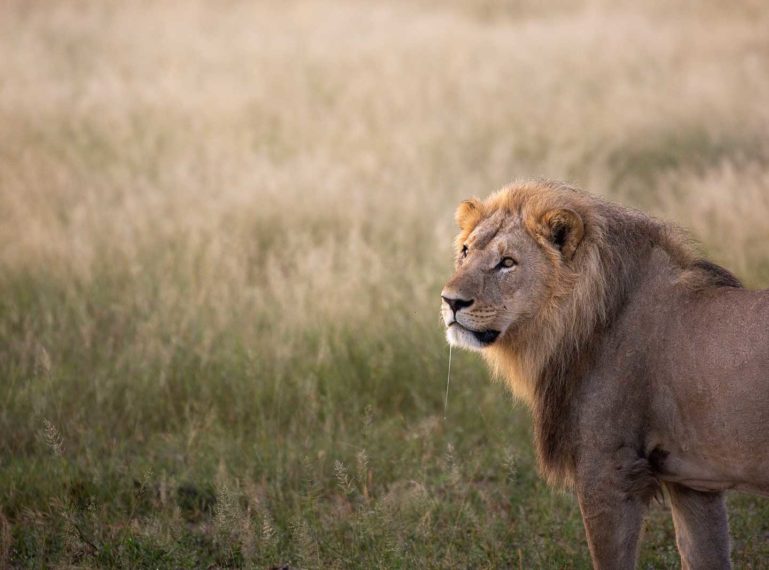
613 494
613 526
702 529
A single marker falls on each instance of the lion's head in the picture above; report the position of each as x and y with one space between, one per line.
507 265
539 265
531 271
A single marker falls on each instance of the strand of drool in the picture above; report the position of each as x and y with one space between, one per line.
448 380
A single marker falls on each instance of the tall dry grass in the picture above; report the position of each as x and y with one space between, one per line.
224 226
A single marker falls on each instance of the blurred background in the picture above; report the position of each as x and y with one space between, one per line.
224 227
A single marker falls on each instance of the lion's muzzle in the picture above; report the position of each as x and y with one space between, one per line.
458 333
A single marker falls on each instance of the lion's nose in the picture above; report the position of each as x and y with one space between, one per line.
457 304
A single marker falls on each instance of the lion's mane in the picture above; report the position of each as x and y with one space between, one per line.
548 355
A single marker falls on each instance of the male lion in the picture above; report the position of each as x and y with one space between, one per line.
644 366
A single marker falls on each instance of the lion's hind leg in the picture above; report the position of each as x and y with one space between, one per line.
702 529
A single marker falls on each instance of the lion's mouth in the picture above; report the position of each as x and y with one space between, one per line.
484 337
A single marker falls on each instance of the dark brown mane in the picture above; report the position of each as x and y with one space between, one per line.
715 275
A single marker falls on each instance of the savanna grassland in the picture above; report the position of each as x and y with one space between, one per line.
224 227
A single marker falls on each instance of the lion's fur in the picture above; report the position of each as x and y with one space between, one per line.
543 362
643 364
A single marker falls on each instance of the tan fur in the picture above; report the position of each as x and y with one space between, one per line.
604 288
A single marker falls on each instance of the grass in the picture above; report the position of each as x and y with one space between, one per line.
223 230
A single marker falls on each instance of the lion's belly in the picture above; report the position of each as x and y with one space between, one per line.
713 474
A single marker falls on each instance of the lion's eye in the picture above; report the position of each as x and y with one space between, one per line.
464 251
506 263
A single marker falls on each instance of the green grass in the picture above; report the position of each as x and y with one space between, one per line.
223 233
343 462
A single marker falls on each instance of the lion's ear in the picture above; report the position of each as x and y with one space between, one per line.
468 213
565 229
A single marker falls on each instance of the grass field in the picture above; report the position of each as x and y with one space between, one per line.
224 227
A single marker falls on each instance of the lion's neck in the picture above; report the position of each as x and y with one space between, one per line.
518 372
546 380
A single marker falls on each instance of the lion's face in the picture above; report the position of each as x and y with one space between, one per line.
500 281
506 268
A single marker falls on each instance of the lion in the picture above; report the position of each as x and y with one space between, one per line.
645 367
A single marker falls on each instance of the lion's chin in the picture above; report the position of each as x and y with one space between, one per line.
459 336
